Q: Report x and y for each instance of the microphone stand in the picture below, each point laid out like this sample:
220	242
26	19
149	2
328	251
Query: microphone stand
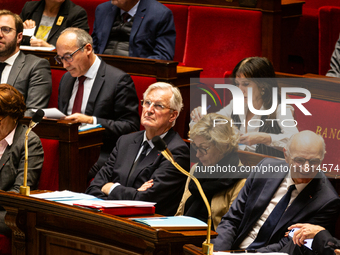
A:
24	189
207	247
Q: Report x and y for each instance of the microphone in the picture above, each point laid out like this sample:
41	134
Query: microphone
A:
37	117
161	146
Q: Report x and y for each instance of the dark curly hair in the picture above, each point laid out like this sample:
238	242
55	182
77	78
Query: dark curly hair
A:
12	102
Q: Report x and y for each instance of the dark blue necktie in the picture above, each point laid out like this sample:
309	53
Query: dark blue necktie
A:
271	222
2	67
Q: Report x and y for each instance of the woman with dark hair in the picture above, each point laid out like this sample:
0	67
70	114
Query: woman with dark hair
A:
51	17
12	147
264	134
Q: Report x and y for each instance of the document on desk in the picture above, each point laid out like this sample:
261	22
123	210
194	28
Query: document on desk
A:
52	113
173	222
24	47
65	197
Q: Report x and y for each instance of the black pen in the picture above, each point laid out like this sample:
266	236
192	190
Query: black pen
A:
243	251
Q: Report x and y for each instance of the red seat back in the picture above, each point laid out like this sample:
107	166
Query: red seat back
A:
329	29
56	77
180	13
326	125
218	38
49	178
141	84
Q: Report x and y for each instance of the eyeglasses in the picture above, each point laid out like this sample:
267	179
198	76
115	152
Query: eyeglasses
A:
67	57
204	151
6	30
156	106
312	162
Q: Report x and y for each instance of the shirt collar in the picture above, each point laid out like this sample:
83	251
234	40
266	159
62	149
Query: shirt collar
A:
92	72
299	187
149	141
132	11
9	138
11	59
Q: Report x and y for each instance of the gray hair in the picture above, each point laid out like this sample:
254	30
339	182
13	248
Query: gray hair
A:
306	136
83	37
214	128
176	101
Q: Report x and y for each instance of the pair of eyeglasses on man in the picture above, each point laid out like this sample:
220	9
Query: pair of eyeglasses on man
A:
6	30
312	162
156	106
204	151
67	57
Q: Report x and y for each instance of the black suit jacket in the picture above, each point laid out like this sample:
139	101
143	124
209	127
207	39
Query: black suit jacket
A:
318	203
113	100
168	181
31	76
74	16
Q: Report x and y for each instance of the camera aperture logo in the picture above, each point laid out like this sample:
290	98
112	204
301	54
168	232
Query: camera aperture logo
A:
239	104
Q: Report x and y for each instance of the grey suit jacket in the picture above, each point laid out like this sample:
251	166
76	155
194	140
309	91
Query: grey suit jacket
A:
31	76
318	203
12	161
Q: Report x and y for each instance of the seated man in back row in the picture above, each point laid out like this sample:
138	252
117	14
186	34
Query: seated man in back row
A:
134	28
278	195
94	92
29	74
135	169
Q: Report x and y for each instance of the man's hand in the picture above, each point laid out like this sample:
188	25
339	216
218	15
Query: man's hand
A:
255	138
29	23
106	188
82	118
337	252
305	231
39	43
146	185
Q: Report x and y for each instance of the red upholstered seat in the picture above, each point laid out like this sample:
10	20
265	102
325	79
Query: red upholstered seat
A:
141	84
14	6
218	38
180	13
327	125
49	178
5	245
329	29
56	77
90	8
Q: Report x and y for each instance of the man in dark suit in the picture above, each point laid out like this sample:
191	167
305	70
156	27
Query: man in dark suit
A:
93	92
135	169
147	32
314	200
29	74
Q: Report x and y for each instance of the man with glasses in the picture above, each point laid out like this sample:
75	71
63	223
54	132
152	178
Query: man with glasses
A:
29	74
135	169
93	92
278	195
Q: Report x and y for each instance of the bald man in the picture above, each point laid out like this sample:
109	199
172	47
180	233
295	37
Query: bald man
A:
310	198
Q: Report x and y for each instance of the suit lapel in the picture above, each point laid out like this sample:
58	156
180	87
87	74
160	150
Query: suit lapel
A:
96	87
149	159
66	93
107	26
132	151
60	19
16	68
137	21
301	201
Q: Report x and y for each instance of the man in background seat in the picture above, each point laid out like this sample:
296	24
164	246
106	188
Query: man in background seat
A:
135	28
93	92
